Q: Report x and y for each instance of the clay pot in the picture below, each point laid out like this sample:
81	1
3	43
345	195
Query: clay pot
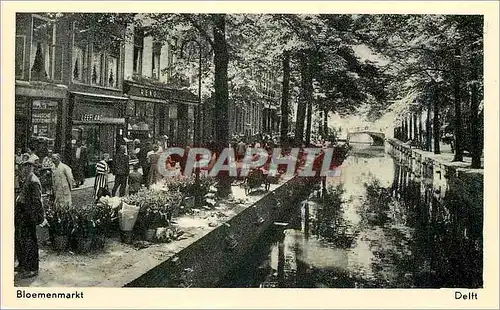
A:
150	234
60	243
126	236
84	245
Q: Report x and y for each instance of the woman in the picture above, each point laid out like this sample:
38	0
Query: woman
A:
101	178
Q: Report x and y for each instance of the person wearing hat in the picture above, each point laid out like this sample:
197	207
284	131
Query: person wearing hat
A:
28	214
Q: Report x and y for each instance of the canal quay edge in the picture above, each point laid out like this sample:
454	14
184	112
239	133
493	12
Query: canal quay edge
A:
223	247
468	183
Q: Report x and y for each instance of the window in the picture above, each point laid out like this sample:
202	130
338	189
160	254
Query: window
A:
138	49
20	48
80	55
156	60
42	46
112	63
97	66
170	60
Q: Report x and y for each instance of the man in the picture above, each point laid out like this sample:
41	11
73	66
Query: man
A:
79	162
121	170
143	160
27	214
17	167
62	181
240	150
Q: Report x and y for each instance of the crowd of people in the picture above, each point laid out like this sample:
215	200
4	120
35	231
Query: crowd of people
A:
134	166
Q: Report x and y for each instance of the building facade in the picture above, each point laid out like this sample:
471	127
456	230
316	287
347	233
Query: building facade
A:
261	115
78	81
155	107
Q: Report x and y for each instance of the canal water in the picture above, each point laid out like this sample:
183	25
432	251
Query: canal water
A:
375	226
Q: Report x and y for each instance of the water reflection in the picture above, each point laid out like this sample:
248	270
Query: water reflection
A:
382	224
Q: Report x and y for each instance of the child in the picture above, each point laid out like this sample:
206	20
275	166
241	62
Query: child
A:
134	180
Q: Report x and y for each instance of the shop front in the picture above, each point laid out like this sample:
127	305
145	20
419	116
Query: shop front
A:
154	111
38	119
98	122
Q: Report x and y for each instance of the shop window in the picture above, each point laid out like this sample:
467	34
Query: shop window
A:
42	49
80	55
130	108
140	109
150	109
44	122
156	60
138	50
20	48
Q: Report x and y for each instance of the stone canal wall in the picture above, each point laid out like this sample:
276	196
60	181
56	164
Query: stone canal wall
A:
205	262
440	172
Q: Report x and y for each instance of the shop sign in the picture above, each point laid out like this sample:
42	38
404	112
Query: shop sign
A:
42	117
91	117
44	104
149	92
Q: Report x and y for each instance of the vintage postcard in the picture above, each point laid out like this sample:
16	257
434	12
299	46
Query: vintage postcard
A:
287	154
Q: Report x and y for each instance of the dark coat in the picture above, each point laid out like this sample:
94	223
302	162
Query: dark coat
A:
121	164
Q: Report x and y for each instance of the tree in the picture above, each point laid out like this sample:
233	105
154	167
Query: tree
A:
221	60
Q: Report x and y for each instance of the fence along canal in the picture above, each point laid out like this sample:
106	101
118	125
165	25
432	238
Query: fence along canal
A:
381	225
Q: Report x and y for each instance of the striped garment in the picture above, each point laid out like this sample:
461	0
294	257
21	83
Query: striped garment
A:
101	177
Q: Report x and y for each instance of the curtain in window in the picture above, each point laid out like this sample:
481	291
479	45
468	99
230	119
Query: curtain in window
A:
78	64
40	61
112	71
96	77
41	50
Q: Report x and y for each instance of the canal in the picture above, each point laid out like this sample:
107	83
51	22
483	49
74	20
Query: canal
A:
375	226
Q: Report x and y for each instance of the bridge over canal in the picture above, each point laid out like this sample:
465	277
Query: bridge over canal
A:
378	137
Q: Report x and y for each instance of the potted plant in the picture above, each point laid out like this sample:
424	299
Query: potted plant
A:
90	224
156	211
60	225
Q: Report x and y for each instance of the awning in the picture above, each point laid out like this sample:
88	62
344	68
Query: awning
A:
99	96
138	98
103	120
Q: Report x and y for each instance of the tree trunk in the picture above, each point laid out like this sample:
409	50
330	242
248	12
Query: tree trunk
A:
308	121
420	131
285	96
410	127
436	128
405	136
459	156
302	104
428	130
476	138
221	60
325	122
415	128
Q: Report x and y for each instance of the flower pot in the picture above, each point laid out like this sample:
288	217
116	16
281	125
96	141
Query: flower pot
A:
126	236
84	244
60	243
150	234
99	241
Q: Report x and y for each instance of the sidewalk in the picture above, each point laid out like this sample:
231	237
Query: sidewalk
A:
446	157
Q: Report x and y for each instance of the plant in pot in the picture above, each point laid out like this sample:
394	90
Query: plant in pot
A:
90	224
60	224
129	217
156	211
